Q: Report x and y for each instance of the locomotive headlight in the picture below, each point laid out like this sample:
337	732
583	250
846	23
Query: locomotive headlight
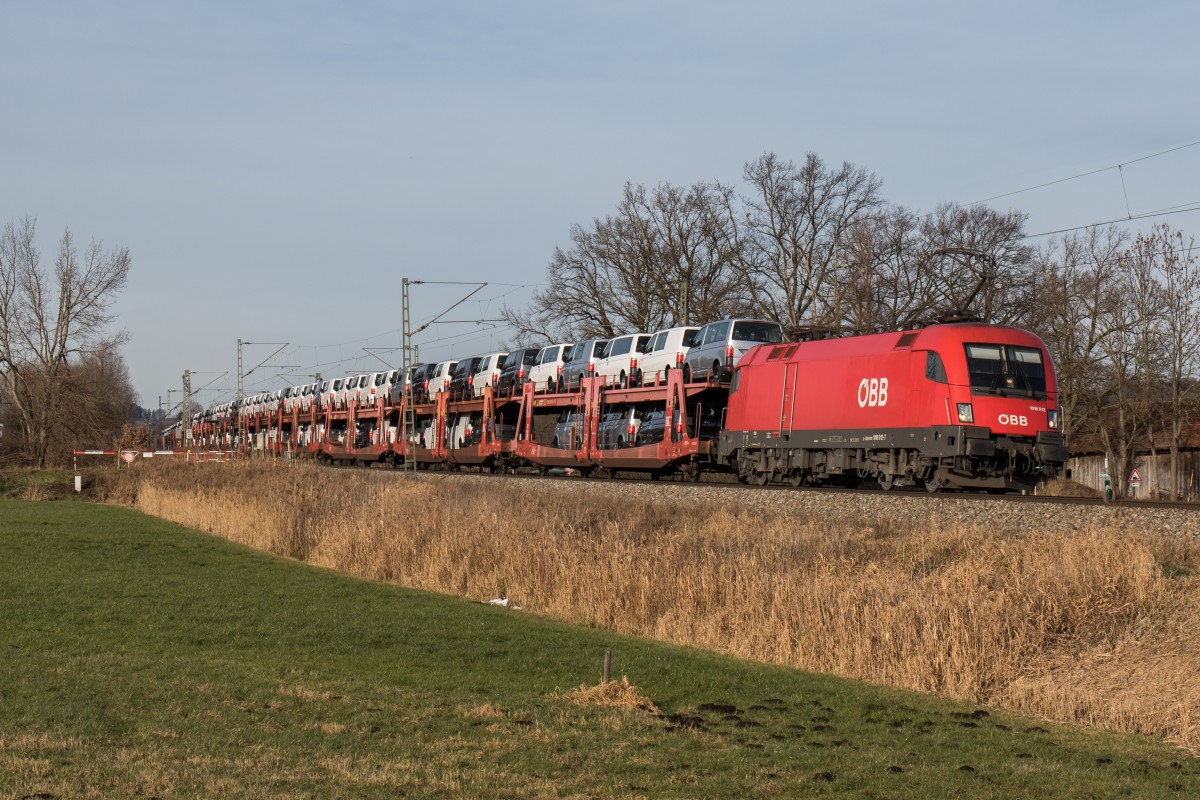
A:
1052	419
966	414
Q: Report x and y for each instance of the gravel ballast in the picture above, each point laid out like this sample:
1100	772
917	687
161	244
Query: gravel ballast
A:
1010	515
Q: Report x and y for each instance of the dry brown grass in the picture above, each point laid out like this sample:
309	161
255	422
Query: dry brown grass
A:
1082	626
613	694
1064	487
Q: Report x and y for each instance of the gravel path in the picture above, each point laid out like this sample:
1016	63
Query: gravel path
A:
1007	516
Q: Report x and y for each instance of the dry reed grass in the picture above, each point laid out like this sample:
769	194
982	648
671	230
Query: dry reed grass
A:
1067	626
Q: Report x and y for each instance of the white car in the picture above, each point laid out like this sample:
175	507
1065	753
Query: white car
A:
360	392
438	378
487	372
378	384
666	351
618	362
547	367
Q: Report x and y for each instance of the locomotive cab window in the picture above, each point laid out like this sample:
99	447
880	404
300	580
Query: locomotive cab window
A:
1006	370
935	370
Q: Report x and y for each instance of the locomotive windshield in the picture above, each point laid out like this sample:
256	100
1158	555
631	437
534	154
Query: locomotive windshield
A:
1006	370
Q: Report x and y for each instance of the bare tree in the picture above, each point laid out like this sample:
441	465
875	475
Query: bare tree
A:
47	321
794	227
665	257
1171	347
1080	298
1010	294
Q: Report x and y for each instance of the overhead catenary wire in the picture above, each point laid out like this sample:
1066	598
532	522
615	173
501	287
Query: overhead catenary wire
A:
1086	174
1193	207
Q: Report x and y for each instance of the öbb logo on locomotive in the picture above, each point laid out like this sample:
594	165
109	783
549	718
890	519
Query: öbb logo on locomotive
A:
1013	419
872	392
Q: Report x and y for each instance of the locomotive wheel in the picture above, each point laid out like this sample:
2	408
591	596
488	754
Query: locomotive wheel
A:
760	478
936	483
887	482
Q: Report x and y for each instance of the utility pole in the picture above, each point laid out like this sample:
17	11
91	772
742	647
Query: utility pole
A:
185	424
408	421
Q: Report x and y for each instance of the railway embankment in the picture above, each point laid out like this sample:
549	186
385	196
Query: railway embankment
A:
1075	613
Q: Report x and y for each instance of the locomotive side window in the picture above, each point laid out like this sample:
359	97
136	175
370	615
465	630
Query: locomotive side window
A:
1006	369
935	370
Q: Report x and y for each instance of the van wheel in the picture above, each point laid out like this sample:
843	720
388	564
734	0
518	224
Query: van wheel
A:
549	385
687	373
638	377
715	375
561	386
624	380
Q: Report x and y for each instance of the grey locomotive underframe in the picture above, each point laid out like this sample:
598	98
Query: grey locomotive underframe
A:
938	457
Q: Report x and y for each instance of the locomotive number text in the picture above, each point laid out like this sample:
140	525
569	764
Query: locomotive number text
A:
872	392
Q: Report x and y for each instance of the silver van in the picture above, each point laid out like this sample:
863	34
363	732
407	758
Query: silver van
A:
720	344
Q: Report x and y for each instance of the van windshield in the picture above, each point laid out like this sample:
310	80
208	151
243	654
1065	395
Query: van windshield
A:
768	332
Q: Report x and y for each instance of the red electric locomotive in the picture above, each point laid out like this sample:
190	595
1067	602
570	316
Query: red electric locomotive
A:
957	405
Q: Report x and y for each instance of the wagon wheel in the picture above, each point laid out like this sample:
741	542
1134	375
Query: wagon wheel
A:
797	479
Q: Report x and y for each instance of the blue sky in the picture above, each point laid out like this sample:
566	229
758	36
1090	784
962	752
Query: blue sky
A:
275	168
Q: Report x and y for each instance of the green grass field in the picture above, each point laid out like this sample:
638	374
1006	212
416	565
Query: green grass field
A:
141	659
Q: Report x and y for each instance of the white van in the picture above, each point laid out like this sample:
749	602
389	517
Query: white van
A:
618	362
666	351
487	372
547	367
439	377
